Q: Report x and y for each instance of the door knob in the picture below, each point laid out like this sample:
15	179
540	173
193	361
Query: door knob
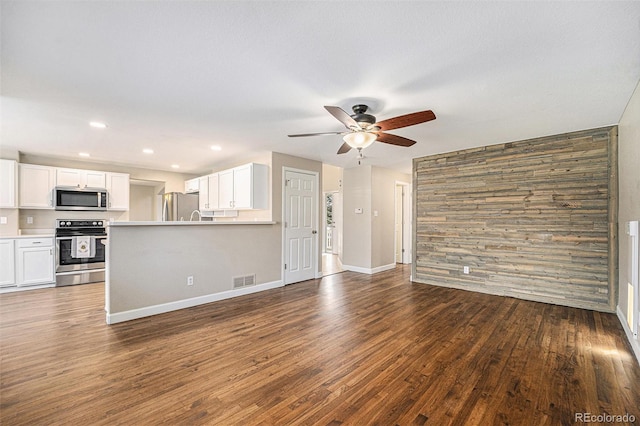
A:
314	232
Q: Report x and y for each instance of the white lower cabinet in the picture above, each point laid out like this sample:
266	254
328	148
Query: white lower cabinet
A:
35	261
7	263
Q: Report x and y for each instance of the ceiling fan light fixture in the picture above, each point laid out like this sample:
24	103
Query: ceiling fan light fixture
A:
359	140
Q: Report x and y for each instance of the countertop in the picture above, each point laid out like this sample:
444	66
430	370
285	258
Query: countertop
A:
15	237
189	223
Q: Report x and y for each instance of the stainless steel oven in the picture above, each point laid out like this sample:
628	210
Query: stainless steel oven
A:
80	251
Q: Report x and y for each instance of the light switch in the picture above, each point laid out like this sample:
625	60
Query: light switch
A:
375	212
3	220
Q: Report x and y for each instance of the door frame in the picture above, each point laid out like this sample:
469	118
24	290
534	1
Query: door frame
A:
318	235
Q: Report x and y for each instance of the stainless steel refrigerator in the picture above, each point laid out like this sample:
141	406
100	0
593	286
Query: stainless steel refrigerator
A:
178	206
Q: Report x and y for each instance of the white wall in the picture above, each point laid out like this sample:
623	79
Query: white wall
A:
369	244
629	195
331	178
383	225
142	202
149	265
357	231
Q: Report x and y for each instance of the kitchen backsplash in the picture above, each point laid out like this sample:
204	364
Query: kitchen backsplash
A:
46	219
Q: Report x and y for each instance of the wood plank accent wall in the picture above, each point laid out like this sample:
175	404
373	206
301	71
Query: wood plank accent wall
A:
535	219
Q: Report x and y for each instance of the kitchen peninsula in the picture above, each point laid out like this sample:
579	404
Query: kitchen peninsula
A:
157	267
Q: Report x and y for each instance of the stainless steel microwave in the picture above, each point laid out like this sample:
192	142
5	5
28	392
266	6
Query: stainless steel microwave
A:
72	198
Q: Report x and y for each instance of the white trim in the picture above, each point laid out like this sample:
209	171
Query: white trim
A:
635	345
188	303
369	271
14	288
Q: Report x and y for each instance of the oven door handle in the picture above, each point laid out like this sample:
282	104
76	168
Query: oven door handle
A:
97	237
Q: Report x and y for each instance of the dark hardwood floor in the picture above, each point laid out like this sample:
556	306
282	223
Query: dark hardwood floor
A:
347	349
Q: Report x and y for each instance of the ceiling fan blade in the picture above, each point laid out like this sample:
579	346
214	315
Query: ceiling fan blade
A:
344	148
315	134
342	116
394	139
406	120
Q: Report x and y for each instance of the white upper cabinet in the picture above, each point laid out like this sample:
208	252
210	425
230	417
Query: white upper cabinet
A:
8	184
118	189
208	195
225	189
192	185
81	178
36	185
243	188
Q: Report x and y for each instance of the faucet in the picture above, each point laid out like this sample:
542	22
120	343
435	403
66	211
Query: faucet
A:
199	215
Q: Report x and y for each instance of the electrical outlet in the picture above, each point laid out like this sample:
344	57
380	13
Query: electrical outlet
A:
190	280
30	220
465	270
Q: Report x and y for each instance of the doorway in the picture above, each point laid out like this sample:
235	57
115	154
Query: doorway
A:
332	233
402	223
300	221
145	200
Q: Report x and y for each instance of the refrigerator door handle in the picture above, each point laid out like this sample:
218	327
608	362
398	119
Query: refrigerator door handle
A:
165	208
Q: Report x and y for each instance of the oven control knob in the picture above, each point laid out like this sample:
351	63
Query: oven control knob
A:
68	223
100	223
95	223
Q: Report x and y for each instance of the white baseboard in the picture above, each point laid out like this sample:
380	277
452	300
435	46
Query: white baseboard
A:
187	303
369	271
635	345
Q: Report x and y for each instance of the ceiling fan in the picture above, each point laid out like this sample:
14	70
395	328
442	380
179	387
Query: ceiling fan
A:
363	129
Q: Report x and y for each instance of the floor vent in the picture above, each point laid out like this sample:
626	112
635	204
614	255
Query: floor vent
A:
244	281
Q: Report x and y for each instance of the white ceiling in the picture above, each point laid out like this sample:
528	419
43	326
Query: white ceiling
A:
180	76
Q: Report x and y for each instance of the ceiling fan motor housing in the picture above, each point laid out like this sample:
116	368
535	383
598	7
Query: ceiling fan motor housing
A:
360	115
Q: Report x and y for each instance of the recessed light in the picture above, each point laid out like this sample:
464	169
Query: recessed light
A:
97	125
175	166
147	151
216	148
84	154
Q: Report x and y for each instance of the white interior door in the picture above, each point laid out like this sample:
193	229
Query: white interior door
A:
301	209
398	224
